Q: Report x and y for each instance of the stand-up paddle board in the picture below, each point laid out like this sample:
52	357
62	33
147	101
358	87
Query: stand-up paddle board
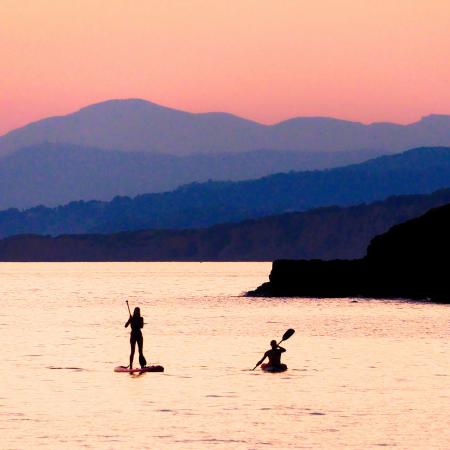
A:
139	370
273	369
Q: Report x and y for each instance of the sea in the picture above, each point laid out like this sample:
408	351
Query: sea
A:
363	373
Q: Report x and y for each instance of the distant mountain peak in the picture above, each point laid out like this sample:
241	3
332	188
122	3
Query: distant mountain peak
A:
436	118
135	124
125	103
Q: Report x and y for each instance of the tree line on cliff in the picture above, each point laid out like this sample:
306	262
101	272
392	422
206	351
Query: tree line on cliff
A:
324	233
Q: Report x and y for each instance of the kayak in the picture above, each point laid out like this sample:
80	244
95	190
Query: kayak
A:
139	370
273	369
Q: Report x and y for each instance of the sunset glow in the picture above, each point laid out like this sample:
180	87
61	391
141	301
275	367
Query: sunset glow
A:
262	59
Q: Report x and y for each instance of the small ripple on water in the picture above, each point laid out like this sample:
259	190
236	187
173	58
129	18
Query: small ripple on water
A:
74	369
226	441
220	396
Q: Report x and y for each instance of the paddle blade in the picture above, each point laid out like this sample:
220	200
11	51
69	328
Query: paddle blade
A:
288	334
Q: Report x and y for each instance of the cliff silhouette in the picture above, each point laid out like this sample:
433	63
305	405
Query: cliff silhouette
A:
409	261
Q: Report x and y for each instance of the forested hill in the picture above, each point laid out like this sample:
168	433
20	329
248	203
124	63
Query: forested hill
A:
325	233
197	205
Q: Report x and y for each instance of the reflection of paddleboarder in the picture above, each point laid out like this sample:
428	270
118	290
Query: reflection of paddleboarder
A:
136	322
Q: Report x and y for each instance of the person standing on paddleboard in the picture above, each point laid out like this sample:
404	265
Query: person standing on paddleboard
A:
274	355
136	322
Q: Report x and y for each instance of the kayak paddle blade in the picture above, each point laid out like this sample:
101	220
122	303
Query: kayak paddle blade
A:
288	334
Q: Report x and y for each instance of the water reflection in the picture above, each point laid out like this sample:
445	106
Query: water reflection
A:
361	375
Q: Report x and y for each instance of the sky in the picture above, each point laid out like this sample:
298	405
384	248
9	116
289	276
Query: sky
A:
267	60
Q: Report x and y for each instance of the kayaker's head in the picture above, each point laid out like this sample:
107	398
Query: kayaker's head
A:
137	312
273	344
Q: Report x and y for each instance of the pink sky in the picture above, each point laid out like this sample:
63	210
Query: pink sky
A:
268	60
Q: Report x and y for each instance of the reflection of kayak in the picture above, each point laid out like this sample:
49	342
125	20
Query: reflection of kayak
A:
268	368
140	370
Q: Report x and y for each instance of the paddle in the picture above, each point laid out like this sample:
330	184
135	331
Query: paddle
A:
128	306
285	337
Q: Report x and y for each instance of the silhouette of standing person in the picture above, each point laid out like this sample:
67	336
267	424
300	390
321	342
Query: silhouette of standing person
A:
136	322
274	355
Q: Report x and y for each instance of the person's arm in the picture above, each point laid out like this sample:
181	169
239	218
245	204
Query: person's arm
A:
142	322
260	361
128	322
282	349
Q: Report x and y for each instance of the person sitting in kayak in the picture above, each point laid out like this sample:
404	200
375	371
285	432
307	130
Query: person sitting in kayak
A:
136	322
274	355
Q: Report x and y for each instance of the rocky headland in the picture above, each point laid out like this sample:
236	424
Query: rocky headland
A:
408	261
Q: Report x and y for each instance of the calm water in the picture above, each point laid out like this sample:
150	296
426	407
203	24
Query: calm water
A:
361	375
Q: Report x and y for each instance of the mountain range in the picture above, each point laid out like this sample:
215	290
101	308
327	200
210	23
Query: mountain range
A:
325	233
139	125
55	174
198	205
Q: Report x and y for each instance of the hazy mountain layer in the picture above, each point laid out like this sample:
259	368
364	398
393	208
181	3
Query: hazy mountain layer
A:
204	204
138	125
55	174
